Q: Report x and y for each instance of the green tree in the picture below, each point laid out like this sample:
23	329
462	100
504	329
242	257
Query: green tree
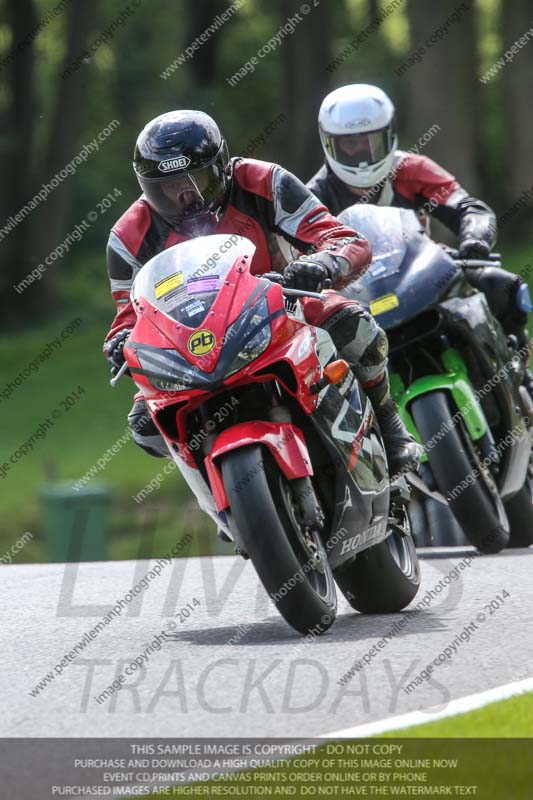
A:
517	82
443	86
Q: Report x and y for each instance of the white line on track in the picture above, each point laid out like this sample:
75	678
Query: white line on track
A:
458	706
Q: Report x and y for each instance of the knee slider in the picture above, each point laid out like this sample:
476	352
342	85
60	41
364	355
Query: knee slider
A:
377	351
343	325
373	362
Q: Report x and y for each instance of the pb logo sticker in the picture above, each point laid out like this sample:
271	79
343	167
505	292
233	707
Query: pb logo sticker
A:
201	342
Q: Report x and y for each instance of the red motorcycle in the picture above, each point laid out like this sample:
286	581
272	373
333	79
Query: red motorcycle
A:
271	431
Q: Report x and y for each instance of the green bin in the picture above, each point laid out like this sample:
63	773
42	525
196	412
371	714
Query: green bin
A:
75	521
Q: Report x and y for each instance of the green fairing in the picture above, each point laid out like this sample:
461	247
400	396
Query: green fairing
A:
456	381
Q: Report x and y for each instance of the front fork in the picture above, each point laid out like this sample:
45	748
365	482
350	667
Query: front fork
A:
307	502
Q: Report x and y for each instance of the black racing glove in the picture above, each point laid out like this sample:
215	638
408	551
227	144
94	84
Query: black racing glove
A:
474	248
307	275
114	351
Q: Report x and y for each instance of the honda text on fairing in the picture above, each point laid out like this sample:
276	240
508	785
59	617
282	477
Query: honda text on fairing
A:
455	375
271	431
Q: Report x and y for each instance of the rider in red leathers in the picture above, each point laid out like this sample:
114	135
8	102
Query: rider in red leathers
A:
192	188
357	130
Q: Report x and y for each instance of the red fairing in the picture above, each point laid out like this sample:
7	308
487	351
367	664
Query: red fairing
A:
234	293
291	341
419	175
284	441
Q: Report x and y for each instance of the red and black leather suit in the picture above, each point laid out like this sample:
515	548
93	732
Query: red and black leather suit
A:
416	182
264	202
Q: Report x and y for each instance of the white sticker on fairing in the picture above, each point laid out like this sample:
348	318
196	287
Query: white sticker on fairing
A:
305	345
194	308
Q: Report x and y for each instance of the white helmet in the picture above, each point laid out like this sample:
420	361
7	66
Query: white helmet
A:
357	131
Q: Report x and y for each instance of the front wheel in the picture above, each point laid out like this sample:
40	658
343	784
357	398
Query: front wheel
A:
384	578
460	476
290	562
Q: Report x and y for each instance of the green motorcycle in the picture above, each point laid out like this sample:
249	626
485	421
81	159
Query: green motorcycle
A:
456	378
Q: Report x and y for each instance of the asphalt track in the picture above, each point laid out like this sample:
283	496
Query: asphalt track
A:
233	667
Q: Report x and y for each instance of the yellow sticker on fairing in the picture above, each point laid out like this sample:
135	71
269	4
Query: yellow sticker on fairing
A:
385	303
168	284
201	342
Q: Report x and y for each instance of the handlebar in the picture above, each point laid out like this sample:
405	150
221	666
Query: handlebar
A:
476	263
454	253
275	277
492	260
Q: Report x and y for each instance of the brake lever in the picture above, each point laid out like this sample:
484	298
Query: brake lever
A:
492	260
301	293
113	382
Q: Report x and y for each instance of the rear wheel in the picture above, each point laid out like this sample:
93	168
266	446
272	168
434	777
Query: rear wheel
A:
290	562
384	578
467	485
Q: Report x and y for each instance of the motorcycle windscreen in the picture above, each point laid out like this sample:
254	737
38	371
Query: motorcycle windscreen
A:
409	271
387	229
184	281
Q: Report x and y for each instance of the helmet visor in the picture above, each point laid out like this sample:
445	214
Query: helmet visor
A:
360	149
179	198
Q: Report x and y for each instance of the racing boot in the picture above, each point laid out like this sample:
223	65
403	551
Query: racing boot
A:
145	432
403	452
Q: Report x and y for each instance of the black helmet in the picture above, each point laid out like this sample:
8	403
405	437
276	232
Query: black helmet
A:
180	161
